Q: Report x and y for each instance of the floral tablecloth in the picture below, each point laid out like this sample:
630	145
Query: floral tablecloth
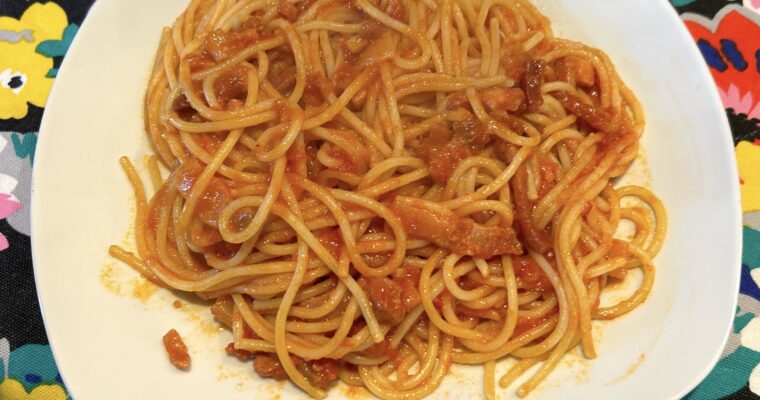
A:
34	37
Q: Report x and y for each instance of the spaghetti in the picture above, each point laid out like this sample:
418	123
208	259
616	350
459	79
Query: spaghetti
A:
373	190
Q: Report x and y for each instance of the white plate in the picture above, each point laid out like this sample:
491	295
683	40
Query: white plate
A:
108	346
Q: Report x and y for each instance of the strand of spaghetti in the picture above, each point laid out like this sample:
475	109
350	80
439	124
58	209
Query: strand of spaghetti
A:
442	367
446	36
564	304
386	20
548	205
587	190
133	261
295	123
280	342
347	233
199	187
453	287
226	125
170	56
298	54
322	25
510	318
240	11
339	105
638	297
518	370
395	183
548	366
487	190
427	302
426	365
661	215
246	54
140	204
265	329
509	347
330	261
489	376
390	98
201	154
262	213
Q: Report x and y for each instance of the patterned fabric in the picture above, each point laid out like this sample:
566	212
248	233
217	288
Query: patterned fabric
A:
34	37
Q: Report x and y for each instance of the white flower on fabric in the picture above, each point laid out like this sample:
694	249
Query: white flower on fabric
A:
752	4
5	355
9	204
17	164
751	335
754	380
7	185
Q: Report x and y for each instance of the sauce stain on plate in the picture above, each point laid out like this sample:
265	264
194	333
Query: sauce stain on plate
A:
110	277
143	289
631	369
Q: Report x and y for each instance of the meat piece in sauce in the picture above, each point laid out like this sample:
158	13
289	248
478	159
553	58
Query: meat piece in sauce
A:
577	69
441	153
534	78
231	84
331	239
537	239
177	350
396	10
385	296
287	10
320	373
240	354
214	198
269	366
222	310
529	275
602	119
502	99
444	149
382	349
221	45
430	221
513	60
408	278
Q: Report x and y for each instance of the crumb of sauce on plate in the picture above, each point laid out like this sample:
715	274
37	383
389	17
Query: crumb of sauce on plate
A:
578	364
240	374
205	323
177	304
176	350
143	289
109	278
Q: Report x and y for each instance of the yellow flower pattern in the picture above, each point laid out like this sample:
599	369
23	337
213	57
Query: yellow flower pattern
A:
12	389
748	159
23	71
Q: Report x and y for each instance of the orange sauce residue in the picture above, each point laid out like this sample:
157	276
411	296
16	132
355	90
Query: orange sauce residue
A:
354	392
206	325
142	289
631	369
109	278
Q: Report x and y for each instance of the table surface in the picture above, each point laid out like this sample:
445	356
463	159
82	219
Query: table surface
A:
34	38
